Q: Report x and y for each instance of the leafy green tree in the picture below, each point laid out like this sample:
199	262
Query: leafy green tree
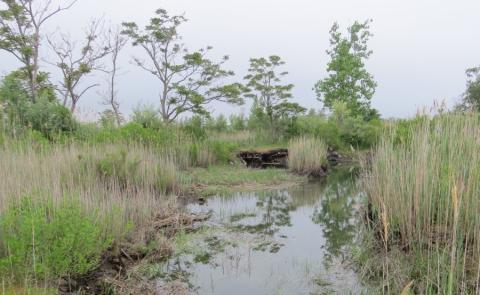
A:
348	80
189	80
471	97
20	34
270	96
46	115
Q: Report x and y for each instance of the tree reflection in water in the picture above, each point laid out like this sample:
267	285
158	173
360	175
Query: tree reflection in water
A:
336	214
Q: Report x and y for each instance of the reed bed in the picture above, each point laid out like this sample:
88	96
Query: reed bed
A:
423	185
117	190
307	155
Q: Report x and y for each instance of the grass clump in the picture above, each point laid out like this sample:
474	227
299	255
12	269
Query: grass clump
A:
41	240
307	155
139	168
424	198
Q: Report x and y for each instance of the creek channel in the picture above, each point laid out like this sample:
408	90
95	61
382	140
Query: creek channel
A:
284	241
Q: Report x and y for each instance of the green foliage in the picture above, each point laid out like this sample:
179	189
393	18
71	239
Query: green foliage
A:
147	117
14	99
50	118
225	179
108	119
210	152
238	122
118	168
46	115
195	127
138	169
129	133
189	80
218	124
341	129
471	97
46	241
348	80
264	86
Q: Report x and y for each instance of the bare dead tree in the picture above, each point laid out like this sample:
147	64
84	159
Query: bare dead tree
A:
116	42
20	33
76	66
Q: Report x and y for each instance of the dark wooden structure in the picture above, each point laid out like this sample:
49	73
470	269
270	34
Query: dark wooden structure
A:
264	159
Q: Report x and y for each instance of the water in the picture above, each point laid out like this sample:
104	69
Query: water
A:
289	241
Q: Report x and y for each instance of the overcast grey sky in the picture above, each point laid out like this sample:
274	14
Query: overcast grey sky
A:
421	47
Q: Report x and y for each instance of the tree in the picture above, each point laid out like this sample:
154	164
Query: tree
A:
189	80
471	97
20	33
270	96
75	67
46	115
116	42
348	80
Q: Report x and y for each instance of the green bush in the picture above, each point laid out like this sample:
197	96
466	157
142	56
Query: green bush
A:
45	115
50	118
341	130
195	127
147	117
40	240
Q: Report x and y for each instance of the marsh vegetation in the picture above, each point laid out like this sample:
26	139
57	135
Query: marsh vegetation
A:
159	202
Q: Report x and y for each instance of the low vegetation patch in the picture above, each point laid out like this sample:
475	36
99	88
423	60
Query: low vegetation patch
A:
224	179
40	240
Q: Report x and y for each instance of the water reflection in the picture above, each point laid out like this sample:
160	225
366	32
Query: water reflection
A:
336	213
289	241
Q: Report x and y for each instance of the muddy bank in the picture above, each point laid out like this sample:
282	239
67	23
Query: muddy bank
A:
117	273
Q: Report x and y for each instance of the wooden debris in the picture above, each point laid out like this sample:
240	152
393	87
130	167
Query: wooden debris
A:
264	159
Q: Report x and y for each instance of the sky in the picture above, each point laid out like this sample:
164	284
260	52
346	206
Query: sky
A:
421	48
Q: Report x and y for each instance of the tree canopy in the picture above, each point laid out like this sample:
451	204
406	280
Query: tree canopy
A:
348	80
189	80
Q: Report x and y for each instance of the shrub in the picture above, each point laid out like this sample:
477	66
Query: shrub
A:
341	130
50	118
46	115
195	127
40	240
147	117
119	169
307	155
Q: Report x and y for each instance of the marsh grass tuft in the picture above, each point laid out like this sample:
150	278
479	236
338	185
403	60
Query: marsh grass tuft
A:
307	155
424	192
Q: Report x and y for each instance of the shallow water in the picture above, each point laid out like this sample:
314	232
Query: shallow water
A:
289	241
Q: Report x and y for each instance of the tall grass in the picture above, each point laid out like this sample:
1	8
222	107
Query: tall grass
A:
102	189
307	155
425	186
